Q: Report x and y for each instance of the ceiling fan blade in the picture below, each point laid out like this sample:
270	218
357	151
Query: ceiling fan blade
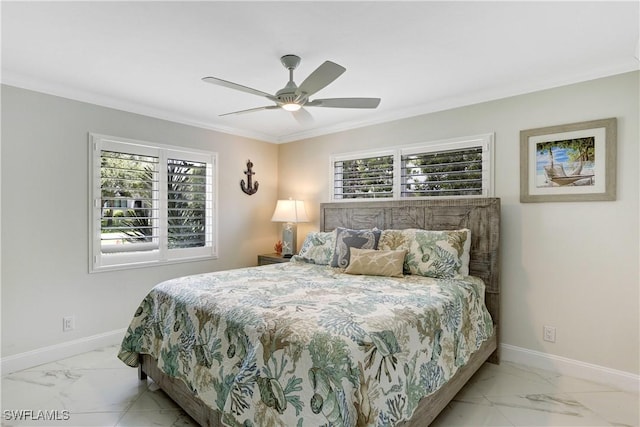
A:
251	110
302	116
344	103
231	85
321	77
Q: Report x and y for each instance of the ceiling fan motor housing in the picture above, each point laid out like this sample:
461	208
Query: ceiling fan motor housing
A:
289	94
290	62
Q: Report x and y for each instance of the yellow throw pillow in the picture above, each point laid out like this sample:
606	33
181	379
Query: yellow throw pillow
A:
376	263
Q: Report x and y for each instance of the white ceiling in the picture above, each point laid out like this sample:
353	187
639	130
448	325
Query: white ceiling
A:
418	56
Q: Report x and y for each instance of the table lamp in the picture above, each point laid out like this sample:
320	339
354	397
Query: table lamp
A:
289	212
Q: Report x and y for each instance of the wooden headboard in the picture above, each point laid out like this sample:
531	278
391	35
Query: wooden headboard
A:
480	215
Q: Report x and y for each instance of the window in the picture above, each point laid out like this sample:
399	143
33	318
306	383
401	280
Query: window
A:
370	177
150	204
461	167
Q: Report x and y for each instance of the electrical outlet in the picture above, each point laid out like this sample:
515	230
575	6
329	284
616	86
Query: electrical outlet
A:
68	323
549	333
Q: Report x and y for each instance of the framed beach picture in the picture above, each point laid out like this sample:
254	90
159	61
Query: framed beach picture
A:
569	163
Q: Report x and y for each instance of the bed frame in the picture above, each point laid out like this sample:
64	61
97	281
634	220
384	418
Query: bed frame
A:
480	215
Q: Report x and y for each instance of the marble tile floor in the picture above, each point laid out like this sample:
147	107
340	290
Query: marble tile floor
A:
98	390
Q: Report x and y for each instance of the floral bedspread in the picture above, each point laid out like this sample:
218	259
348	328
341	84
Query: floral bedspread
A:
299	344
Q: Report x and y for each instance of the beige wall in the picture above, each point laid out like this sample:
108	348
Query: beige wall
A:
569	265
45	216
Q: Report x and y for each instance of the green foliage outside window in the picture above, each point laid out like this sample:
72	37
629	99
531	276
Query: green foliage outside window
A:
127	196
128	215
448	173
365	178
187	199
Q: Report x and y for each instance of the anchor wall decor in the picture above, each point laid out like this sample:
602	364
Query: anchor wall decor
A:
248	188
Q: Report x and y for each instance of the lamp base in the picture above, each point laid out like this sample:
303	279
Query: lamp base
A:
289	239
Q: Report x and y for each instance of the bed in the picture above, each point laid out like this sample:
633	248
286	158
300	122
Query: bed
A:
269	365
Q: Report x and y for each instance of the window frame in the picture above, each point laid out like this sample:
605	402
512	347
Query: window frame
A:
485	141
105	261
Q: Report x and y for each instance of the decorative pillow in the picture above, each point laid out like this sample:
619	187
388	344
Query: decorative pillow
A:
392	239
317	247
376	263
466	254
347	238
436	254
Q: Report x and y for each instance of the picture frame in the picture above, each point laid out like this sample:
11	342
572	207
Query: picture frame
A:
574	162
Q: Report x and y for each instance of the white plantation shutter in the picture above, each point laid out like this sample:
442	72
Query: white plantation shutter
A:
363	177
151	204
442	173
189	205
461	167
129	201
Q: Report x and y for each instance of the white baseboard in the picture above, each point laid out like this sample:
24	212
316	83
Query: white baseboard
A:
570	367
33	358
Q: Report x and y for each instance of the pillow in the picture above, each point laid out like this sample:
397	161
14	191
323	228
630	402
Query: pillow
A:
392	239
376	263
317	247
347	238
436	254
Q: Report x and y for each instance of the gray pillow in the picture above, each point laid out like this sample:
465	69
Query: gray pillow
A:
347	238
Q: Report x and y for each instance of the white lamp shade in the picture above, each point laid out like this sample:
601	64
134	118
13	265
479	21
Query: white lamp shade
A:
290	211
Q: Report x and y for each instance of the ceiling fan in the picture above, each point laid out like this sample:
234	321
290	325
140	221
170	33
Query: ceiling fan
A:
293	97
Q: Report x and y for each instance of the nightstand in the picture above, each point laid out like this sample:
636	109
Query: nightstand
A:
273	258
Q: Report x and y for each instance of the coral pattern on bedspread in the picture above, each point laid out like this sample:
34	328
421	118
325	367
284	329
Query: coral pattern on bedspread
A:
299	344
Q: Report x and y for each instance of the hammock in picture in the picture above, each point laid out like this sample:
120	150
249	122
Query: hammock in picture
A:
557	175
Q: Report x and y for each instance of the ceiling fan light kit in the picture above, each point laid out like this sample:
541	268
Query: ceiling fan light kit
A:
293	97
292	106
